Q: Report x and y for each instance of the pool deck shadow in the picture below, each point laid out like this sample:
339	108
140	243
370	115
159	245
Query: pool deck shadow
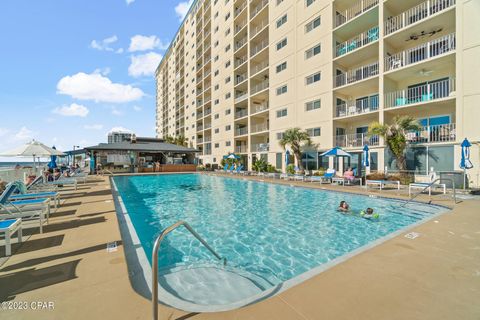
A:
434	276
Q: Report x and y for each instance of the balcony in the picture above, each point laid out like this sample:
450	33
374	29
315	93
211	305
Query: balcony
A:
354	11
257	108
261	127
259	87
258	8
239	26
424	93
239	78
420	53
259	67
199	128
241	96
241	149
240	60
241	131
433	134
356	140
240	9
208	126
259	47
356	107
357	42
356	75
256	30
240	114
260	147
418	13
240	43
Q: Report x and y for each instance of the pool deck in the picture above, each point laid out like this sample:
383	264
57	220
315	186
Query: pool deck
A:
434	276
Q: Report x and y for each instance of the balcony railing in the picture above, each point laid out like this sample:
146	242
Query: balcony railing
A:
199	140
240	9
351	108
241	131
260	107
355	75
240	114
199	115
259	67
239	26
422	52
420	94
199	128
241	149
240	43
241	96
241	60
258	8
259	47
358	41
433	134
354	11
239	78
207	126
254	31
207	139
259	87
258	127
356	140
417	13
207	112
260	147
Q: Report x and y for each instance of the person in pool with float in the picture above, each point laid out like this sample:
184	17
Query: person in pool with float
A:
343	207
368	213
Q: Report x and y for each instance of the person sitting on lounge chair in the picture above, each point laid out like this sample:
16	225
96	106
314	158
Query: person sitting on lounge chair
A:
349	174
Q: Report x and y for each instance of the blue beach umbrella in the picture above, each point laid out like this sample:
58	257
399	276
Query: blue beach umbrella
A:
231	156
366	155
465	162
287	157
53	160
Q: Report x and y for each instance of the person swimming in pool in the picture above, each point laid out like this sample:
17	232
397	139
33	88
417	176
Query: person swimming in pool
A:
369	214
343	207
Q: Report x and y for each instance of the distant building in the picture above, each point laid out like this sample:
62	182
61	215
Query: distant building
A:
119	136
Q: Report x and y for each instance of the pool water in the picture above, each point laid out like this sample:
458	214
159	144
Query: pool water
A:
275	231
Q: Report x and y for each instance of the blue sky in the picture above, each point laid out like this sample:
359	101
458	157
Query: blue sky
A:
70	71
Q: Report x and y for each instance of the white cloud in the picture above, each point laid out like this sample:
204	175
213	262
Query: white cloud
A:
137	108
104	45
144	64
98	88
120	50
182	9
120	129
144	43
23	134
129	2
93	126
103	71
3	132
117	112
73	110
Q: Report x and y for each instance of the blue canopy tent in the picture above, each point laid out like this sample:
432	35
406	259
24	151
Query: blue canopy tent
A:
231	156
336	152
53	160
465	162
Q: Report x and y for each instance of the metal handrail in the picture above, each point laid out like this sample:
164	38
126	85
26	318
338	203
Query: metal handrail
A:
431	184
156	246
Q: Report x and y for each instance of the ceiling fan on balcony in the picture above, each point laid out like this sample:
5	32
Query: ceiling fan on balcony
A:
424	34
425	72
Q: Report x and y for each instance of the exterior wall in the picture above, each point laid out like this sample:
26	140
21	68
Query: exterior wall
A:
208	99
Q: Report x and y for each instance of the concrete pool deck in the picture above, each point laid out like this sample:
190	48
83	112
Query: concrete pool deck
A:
434	276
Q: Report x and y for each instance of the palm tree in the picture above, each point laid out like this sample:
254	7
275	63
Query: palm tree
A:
395	136
181	141
295	137
169	139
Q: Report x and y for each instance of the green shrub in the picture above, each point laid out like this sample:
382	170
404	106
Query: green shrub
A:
291	168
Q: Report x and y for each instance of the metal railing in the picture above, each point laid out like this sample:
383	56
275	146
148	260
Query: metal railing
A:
429	186
420	94
240	9
433	133
415	14
260	147
239	26
241	96
156	248
354	11
356	140
239	78
259	47
422	52
254	128
351	108
240	60
241	131
241	149
260	107
240	114
254	31
258	8
259	87
199	115
355	75
358	41
240	43
258	67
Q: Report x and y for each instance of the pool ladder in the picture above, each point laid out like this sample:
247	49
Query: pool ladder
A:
156	246
431	184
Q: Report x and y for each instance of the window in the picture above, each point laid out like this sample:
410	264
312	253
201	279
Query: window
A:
312	105
282	66
281	44
217	145
216	14
312	25
227	48
309	2
227	112
281	90
215	73
228	143
217	116
227	80
282	113
228	95
217	101
227	16
313	51
312	78
227	32
215	30
215	44
217	130
281	21
280	135
227	64
227	128
279	1
314	132
216	87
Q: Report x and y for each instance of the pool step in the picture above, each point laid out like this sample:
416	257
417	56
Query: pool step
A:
194	287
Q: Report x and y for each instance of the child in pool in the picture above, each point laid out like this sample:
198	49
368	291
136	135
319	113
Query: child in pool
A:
343	207
368	214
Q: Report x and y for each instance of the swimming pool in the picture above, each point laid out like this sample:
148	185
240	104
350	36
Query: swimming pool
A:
276	232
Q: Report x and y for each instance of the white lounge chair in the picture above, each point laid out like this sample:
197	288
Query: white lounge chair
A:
428	185
382	183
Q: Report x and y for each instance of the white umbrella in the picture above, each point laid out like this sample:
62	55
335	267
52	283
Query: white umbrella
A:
32	149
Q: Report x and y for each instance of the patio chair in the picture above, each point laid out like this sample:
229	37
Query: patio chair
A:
25	194
327	177
427	185
238	169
